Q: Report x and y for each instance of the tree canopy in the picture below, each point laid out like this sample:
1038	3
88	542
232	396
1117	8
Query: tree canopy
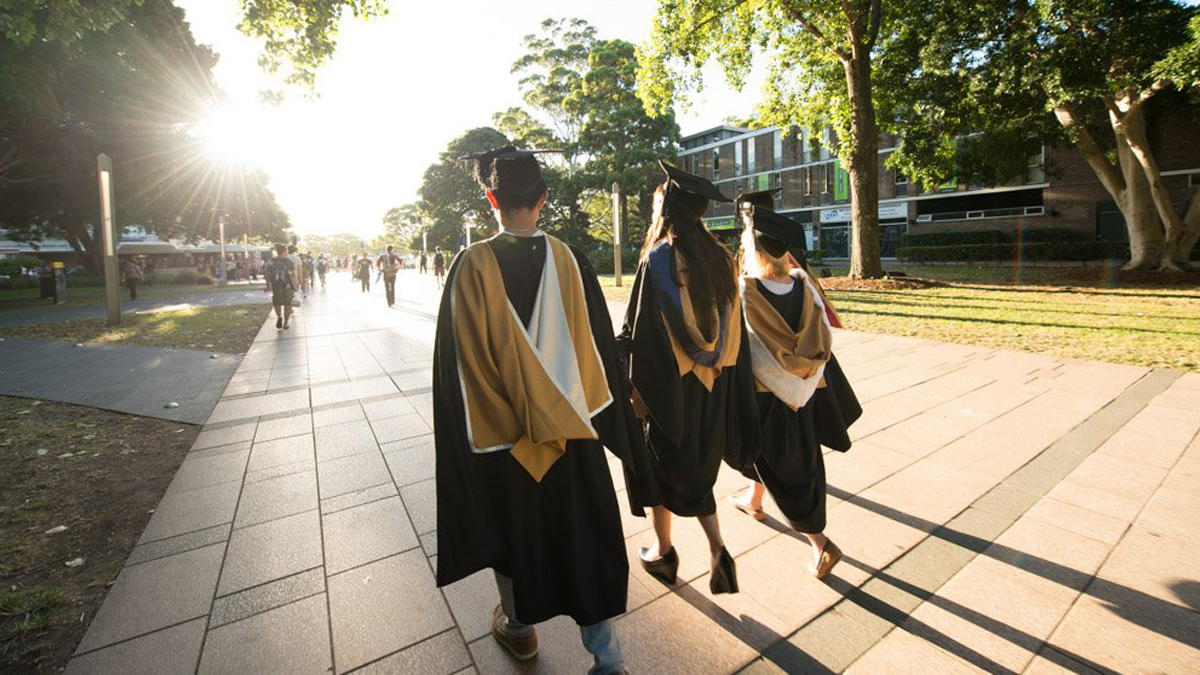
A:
133	91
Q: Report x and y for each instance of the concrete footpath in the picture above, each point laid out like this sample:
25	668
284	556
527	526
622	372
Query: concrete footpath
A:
135	380
1000	512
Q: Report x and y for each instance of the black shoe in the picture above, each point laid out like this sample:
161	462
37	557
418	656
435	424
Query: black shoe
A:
279	322
663	568
724	574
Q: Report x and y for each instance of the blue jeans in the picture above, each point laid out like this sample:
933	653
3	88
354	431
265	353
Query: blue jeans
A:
599	639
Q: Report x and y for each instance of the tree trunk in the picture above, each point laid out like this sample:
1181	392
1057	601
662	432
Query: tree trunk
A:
1141	218
1181	252
865	262
1133	124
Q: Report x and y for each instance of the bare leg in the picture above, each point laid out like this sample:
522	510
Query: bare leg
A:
755	496
818	541
712	530
661	518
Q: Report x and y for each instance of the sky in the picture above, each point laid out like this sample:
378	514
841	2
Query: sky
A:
397	91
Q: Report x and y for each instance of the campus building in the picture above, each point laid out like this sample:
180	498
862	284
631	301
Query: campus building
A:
1058	189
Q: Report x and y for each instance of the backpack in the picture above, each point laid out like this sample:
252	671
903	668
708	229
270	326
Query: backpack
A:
280	274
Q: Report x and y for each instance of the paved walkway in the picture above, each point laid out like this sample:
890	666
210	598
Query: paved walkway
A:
248	294
1000	512
136	380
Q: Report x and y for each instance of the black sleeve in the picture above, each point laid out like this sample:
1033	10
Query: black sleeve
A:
619	428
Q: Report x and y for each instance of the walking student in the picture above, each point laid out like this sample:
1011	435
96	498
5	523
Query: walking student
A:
131	272
421	263
439	265
363	272
322	268
527	395
389	265
804	399
690	370
283	277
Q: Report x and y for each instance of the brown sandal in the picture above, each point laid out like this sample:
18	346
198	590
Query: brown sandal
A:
830	555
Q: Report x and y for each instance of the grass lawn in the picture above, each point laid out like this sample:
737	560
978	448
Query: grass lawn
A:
1090	313
78	489
227	329
25	298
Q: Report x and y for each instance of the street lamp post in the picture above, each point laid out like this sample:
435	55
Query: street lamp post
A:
616	206
108	227
221	277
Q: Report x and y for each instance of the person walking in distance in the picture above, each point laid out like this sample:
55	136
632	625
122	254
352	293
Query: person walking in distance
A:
322	268
389	265
363	270
283	277
439	265
527	394
131	272
421	263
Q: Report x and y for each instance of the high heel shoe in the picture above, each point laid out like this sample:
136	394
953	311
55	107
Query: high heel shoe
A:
724	573
664	567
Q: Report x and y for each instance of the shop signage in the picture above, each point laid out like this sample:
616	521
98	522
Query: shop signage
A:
841	214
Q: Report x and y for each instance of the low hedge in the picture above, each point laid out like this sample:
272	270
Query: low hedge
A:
12	266
1010	252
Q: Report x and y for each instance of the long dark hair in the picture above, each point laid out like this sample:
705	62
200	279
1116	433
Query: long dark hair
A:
711	282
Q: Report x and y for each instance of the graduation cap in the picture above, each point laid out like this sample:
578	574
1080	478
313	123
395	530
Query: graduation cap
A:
691	183
762	198
778	234
508	170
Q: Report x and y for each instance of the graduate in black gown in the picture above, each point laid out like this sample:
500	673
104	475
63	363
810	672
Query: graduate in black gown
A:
805	400
690	369
528	392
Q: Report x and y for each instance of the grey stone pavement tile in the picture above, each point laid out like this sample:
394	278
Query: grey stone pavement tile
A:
258	599
442	654
155	595
171	651
254	645
271	550
999	511
382	607
366	533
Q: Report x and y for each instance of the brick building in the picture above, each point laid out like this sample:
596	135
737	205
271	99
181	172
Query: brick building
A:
1058	188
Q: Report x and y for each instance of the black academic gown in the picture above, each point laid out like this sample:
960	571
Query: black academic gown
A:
790	463
690	429
560	540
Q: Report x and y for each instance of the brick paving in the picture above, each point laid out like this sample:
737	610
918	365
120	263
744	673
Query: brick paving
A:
1000	512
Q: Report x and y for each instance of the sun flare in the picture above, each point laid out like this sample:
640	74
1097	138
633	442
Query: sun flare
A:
231	134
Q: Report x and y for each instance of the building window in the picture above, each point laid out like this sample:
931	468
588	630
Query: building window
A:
737	158
1194	179
828	178
716	162
750	148
826	143
777	152
1035	171
806	178
901	185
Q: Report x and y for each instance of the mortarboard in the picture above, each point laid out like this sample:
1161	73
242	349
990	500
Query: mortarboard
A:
508	169
778	234
762	198
691	183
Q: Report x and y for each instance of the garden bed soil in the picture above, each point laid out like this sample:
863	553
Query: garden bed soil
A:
100	475
896	283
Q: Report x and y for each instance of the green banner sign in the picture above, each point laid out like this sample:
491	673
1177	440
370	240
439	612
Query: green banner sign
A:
721	224
841	183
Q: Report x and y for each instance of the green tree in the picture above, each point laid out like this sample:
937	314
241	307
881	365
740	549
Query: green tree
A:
1018	73
402	227
552	69
133	92
822	60
451	198
622	142
525	130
